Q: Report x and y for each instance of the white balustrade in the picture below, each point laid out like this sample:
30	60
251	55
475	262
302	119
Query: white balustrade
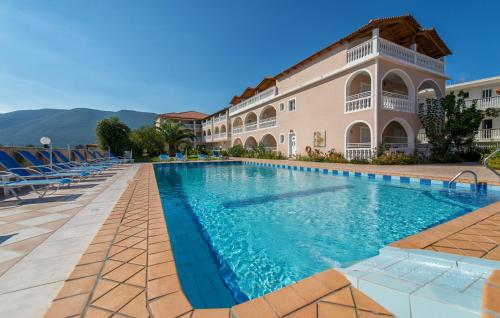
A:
380	46
484	103
267	122
398	102
488	134
358	102
237	130
254	100
251	127
360	151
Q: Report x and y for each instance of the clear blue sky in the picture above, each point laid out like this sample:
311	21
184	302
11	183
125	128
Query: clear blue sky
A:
163	56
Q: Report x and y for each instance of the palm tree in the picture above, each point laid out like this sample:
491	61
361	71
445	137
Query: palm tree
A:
175	135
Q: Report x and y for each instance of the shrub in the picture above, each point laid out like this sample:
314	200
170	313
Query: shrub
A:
394	158
317	155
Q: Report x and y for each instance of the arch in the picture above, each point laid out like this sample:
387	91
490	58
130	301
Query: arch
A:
359	76
356	144
428	90
237	122
237	142
250	143
250	118
430	83
269	142
204	133
209	132
394	86
216	130
222	129
268	112
391	126
353	139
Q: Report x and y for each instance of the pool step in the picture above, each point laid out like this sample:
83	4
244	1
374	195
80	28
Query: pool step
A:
419	283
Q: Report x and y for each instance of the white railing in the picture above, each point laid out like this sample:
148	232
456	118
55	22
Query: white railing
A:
267	122
380	46
359	51
207	123
358	102
422	138
254	100
395	140
398	102
221	118
488	134
364	152
251	127
484	103
221	136
237	130
207	138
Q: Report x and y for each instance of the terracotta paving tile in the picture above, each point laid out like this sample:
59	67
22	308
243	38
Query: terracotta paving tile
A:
310	311
459	251
28	244
310	289
67	307
171	305
85	270
92	257
77	286
140	260
160	270
115	249
285	300
5	266
159	247
22	216
94	312
139	279
117	297
53	225
127	255
468	245
102	238
110	265
136	307
341	297
332	279
10	227
123	272
98	247
254	308
161	257
163	286
369	314
143	245
158	238
491	297
210	313
328	310
103	286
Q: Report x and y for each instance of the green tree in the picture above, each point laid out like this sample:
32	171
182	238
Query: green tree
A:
147	139
447	121
175	135
113	133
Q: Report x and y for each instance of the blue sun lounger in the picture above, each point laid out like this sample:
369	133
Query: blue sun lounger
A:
52	170
12	166
180	156
74	165
39	186
86	163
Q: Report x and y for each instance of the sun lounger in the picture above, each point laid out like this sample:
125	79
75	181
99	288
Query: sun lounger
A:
11	182
51	169
179	156
163	157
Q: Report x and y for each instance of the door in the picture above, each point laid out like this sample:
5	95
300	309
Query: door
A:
365	136
487	125
292	144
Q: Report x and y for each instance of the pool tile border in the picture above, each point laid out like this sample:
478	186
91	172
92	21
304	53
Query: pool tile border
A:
129	270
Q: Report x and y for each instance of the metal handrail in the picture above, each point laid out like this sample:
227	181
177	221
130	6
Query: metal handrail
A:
461	173
485	162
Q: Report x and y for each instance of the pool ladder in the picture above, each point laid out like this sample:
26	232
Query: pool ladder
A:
485	163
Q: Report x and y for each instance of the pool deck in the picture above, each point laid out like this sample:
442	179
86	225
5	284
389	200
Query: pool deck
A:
128	269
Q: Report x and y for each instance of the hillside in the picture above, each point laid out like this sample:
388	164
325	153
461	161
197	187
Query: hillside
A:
73	126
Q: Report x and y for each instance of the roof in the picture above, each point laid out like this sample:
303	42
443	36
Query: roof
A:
479	82
403	30
251	91
184	115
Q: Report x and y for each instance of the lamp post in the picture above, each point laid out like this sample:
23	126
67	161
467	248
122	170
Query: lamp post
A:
47	142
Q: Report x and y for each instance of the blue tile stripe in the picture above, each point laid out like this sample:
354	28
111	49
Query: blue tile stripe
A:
483	187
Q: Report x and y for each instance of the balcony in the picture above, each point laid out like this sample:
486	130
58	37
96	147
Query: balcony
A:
484	103
253	101
237	130
207	123
397	102
359	151
251	126
492	134
220	137
378	46
267	123
358	102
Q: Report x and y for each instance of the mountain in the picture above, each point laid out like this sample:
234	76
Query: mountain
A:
63	126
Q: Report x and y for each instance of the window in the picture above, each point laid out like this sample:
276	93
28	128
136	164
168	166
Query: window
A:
282	107
486	93
291	105
282	139
466	94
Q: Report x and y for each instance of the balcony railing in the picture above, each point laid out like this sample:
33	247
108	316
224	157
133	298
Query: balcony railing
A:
398	102
251	126
360	151
379	46
207	123
484	103
220	136
488	134
358	102
237	130
267	122
254	100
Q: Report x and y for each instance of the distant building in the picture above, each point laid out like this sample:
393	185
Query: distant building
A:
190	120
486	94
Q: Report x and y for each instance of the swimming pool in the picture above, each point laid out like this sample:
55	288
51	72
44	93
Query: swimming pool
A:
241	231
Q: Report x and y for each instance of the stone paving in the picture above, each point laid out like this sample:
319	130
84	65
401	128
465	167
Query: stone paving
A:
42	239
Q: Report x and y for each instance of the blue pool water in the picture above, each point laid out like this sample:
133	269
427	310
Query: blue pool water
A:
241	231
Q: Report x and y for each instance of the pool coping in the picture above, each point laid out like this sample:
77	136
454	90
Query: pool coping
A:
134	274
